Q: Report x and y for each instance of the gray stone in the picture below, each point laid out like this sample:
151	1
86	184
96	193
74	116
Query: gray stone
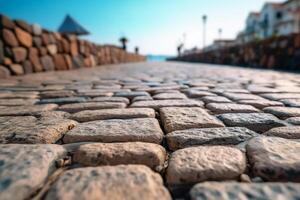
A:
293	120
116	130
66	100
47	62
208	136
215	99
109	182
25	168
253	191
258	122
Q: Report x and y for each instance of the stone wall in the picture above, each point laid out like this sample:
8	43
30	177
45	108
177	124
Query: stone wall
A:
275	53
28	48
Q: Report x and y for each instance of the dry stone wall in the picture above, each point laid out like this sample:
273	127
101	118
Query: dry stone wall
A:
273	53
26	48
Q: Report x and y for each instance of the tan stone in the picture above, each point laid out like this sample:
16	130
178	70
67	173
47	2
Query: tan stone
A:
25	168
274	159
24	38
30	130
26	110
220	108
77	107
19	54
111	99
52	49
283	112
35	60
163	96
288	132
17	102
9	38
207	163
177	118
234	190
97	154
131	182
59	62
129	113
130	130
260	104
166	103
16	69
4	72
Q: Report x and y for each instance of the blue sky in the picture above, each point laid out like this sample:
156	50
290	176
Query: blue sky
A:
156	26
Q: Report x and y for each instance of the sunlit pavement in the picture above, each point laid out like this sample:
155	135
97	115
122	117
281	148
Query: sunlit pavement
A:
151	131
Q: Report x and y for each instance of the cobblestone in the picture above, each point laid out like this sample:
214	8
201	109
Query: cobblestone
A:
145	130
97	154
233	190
259	122
197	164
220	108
208	136
130	130
24	168
131	182
274	159
93	115
176	118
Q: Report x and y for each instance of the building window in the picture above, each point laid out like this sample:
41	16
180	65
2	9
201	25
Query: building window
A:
278	15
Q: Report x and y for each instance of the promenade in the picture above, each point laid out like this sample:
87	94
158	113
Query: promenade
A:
150	131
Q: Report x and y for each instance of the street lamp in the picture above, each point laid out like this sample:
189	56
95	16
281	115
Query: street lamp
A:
204	19
220	33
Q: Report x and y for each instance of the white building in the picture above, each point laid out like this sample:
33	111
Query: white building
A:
270	15
252	27
275	19
290	22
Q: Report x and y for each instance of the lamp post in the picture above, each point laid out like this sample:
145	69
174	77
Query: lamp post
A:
204	20
220	33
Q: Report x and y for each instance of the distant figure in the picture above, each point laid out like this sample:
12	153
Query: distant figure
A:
179	48
136	49
124	41
71	26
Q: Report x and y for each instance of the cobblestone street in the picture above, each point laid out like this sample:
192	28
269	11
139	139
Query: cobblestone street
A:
151	131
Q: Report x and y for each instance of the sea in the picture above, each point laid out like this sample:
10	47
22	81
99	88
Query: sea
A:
157	58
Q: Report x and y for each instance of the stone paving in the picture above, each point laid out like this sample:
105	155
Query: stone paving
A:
151	131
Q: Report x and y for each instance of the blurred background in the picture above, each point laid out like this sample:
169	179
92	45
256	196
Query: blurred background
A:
157	27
